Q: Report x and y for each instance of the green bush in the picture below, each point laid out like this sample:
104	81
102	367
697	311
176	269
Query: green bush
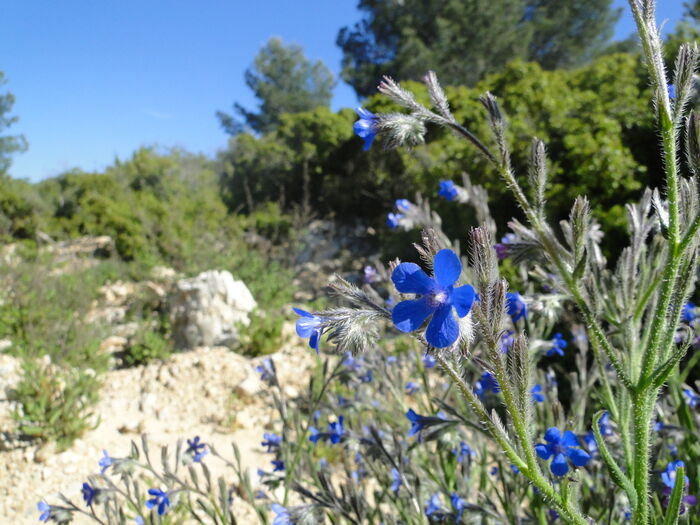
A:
55	402
147	346
262	336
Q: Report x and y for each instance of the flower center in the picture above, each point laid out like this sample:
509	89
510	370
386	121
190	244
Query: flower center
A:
437	298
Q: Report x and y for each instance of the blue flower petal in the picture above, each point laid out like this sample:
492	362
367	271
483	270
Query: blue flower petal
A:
409	315
543	451
578	457
314	340
569	439
306	324
447	267
151	503
443	329
559	465
463	299
552	435
409	278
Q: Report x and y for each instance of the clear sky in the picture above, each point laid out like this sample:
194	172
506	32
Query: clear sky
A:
94	80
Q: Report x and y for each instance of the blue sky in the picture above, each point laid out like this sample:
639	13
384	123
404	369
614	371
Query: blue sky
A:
96	80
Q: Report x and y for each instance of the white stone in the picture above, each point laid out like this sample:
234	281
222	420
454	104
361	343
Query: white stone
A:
205	310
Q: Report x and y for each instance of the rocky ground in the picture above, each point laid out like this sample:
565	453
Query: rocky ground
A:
209	392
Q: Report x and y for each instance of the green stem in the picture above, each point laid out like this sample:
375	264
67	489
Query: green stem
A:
641	403
567	512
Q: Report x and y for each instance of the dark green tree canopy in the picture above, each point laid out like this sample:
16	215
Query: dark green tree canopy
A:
284	81
9	144
464	40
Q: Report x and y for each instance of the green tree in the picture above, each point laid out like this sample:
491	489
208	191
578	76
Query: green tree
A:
9	144
284	81
463	41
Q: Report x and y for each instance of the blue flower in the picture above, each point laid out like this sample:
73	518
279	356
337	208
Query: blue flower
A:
553	515
671	91
487	383
691	398
507	340
105	462
159	498
464	452
396	480
411	388
391	360
393	219
196	449
429	361
278	464
418	422
309	325
281	515
366	126
458	504
558	345
335	432
89	494
502	247
266	369
537	395
516	306
448	190
561	447
591	443
272	441
515	469
438	298
604	424
138	520
668	477
433	506
403	204
45	510
688	312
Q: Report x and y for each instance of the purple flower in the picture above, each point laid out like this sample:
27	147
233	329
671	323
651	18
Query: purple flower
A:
486	383
561	447
448	190
438	298
159	498
45	510
266	370
516	306
196	449
105	462
502	247
272	441
309	325
558	345
366	126
281	515
458	504
536	393
396	480
392	220
89	494
369	274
